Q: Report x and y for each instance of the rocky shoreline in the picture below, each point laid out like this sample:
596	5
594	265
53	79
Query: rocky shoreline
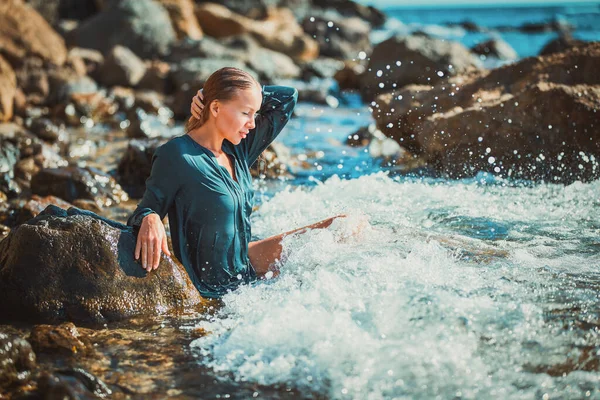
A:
89	89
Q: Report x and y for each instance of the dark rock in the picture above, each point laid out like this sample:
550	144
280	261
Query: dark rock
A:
206	47
70	183
25	33
32	79
362	137
470	26
72	384
140	25
64	87
497	48
400	61
338	37
561	44
63	339
273	162
92	59
350	76
17	360
552	26
156	77
352	9
74	265
24	211
47	130
121	67
134	168
534	119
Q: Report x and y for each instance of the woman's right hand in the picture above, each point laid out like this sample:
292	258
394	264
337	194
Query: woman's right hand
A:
197	105
151	239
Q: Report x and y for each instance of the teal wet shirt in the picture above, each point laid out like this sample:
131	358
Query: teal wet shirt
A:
209	212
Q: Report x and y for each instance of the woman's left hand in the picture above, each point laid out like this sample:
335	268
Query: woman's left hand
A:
197	105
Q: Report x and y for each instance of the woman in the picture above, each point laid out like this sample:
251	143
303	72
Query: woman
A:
202	181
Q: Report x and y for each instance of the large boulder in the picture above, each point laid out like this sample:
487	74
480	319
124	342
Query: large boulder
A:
8	88
338	37
535	119
25	33
278	31
74	265
561	43
497	48
400	61
143	26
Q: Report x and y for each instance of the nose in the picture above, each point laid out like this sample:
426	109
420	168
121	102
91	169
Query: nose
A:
250	124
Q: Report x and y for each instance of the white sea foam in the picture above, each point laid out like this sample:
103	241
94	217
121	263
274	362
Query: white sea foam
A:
450	294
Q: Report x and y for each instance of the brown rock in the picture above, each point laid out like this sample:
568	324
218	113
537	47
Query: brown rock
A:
17	360
183	19
535	119
400	61
350	76
8	88
36	205
279	31
25	33
156	77
63	339
121	67
339	37
79	267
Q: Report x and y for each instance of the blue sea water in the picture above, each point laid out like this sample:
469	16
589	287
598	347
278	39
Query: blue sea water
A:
583	17
480	288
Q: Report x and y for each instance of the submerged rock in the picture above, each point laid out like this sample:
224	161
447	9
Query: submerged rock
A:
17	360
535	119
74	265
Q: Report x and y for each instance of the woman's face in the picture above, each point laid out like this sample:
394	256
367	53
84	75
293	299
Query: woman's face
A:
236	116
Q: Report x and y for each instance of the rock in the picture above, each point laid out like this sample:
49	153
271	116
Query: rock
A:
156	77
17	360
25	33
362	137
88	273
534	119
92	59
551	26
469	26
350	76
279	31
64	86
70	183
135	165
413	59
72	383
143	26
183	19
121	67
561	44
270	65
207	47
145	125
25	169
32	79
322	67
9	155
352	9
496	48
85	204
341	38
63	339
32	207
272	163
8	89
47	130
87	109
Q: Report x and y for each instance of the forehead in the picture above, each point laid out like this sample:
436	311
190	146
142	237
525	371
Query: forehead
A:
251	97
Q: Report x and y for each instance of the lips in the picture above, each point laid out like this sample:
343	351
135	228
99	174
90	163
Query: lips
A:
244	134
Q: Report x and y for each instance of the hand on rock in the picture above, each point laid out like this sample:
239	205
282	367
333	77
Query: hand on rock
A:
151	239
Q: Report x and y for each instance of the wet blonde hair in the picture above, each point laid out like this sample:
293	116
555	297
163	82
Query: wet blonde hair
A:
222	85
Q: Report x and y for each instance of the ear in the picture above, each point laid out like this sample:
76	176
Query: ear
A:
214	108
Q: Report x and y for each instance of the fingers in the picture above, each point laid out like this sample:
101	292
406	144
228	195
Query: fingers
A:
197	105
144	255
200	94
138	247
156	256
165	246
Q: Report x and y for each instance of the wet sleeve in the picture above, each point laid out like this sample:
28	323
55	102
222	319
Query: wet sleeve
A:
275	112
161	187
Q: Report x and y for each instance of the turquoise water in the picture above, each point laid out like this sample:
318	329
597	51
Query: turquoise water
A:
471	289
584	17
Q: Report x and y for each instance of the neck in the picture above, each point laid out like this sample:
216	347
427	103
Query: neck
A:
206	137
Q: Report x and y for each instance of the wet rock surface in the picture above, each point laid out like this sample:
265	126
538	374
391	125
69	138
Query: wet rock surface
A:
84	270
414	60
533	119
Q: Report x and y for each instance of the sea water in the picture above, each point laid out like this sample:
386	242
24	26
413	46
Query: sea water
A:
480	288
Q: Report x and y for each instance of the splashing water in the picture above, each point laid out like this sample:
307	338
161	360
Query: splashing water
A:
458	290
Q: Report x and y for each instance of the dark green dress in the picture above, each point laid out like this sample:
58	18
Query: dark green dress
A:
209	212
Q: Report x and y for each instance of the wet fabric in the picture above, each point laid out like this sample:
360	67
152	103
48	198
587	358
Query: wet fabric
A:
209	212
